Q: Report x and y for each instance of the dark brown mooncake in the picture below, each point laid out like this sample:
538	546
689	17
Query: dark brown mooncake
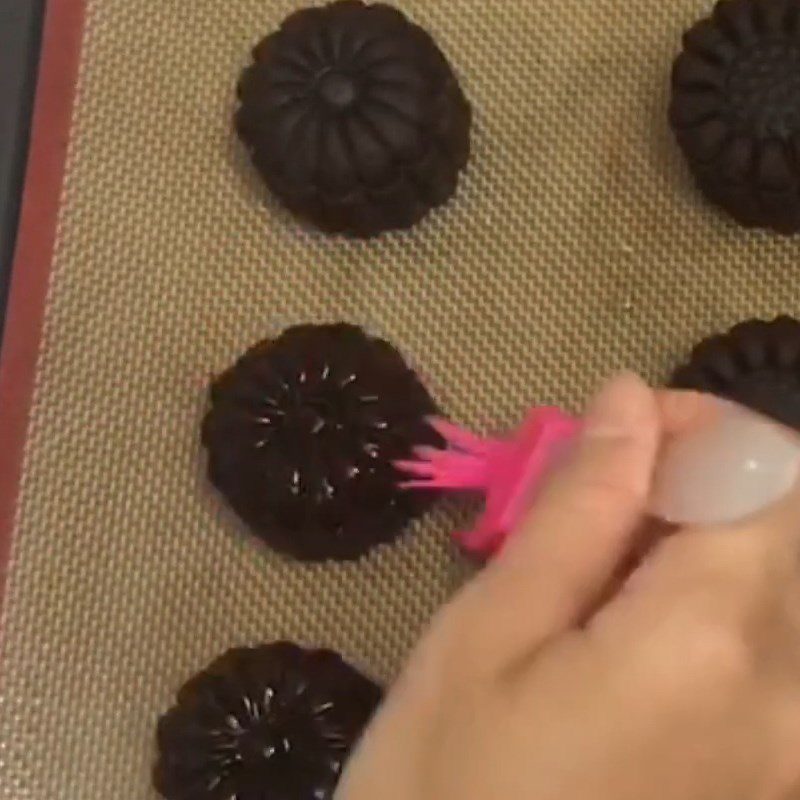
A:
736	110
273	722
756	363
302	435
354	118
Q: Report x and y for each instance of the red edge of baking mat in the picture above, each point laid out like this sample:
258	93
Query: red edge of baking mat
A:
30	278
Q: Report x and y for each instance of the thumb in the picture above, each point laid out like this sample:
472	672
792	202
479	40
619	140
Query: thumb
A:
553	571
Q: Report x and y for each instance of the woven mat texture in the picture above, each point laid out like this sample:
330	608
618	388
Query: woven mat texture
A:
576	245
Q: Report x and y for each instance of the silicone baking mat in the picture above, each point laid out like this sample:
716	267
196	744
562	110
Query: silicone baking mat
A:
575	246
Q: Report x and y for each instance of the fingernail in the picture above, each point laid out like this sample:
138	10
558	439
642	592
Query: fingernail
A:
618	408
727	470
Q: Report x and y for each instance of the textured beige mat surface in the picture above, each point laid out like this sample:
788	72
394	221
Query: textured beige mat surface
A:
575	246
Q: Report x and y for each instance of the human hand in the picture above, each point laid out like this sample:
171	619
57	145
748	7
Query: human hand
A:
546	678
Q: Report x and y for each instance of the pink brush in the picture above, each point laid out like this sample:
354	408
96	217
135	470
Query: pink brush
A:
507	471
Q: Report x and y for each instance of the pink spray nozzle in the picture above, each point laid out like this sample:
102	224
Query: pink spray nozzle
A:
507	471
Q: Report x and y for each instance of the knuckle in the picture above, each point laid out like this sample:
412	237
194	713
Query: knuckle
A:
725	554
718	653
616	488
703	654
599	496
